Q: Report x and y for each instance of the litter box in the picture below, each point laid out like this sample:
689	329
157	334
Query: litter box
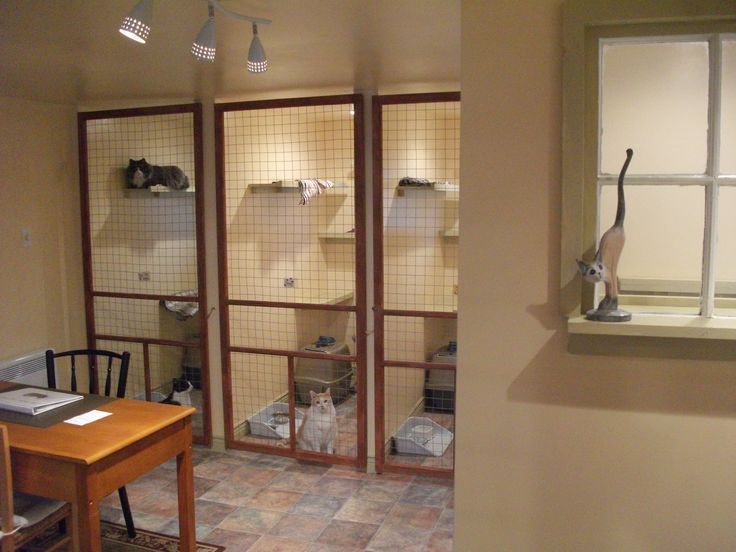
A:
156	396
314	374
420	435
273	421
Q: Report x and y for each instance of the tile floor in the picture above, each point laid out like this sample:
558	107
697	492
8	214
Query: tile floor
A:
260	503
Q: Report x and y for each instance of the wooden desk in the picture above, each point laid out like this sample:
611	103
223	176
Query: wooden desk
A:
83	464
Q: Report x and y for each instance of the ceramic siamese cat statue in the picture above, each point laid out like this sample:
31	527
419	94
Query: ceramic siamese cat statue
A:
604	267
318	431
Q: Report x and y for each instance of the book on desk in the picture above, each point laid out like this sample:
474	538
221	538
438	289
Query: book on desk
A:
34	400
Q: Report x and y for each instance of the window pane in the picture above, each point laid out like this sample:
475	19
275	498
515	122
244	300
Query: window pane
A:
728	109
726	253
655	101
662	258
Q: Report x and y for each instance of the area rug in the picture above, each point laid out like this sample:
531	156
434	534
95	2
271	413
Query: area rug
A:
115	539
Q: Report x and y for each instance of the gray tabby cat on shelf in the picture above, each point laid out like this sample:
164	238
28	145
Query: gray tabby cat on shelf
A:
141	174
604	267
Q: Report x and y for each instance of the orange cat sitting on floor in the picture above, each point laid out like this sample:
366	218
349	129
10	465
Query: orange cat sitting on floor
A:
318	431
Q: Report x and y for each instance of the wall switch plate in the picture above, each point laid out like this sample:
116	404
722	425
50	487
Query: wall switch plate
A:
25	237
289	282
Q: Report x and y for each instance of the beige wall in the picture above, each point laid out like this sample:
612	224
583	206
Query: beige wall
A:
41	284
557	451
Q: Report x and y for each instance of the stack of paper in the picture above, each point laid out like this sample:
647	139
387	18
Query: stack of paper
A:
32	400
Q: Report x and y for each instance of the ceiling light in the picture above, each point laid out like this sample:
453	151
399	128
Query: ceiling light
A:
137	24
257	62
204	47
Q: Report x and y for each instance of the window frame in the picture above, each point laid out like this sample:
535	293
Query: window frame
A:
584	25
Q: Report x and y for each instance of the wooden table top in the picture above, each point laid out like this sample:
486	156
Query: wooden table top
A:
131	421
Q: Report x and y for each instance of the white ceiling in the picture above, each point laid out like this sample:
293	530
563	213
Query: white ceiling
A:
71	51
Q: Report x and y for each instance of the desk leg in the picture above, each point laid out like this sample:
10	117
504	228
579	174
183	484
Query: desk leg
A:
185	484
86	515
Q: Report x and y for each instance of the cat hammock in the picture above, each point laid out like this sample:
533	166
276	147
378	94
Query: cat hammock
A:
182	309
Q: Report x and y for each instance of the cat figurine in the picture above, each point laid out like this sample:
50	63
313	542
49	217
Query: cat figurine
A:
604	267
318	431
141	174
180	392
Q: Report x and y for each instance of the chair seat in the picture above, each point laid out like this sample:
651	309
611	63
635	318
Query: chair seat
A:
31	509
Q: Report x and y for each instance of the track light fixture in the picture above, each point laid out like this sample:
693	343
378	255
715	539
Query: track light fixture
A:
257	62
137	26
204	47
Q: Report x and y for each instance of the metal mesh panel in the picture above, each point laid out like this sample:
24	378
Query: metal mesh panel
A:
145	242
164	364
288	329
145	318
141	242
285	246
420	419
261	405
279	250
414	338
421	145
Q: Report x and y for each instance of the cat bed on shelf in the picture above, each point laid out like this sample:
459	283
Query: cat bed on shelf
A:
420	435
182	309
273	421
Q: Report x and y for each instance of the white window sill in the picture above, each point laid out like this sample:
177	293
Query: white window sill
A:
658	325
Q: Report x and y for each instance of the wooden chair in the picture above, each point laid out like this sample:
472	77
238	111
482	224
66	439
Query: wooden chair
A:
121	360
25	517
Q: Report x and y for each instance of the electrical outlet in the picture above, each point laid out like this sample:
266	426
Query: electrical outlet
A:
144	276
289	282
454	289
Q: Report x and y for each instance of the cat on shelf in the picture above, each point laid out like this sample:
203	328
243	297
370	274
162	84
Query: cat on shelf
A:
141	174
180	392
604	267
318	431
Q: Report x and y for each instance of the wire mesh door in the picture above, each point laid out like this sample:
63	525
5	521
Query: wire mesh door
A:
142	223
416	231
291	235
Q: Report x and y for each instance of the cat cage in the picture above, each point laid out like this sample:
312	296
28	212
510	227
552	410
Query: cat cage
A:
292	294
415	221
144	250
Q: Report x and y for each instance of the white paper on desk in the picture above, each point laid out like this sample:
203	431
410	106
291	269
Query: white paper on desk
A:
87	417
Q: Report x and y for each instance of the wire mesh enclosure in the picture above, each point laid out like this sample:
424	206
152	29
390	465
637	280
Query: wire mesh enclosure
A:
144	248
416	194
292	244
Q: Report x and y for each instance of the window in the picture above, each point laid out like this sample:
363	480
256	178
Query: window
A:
662	81
668	97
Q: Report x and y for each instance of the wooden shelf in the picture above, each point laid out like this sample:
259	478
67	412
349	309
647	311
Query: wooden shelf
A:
435	188
337	236
157	191
287	186
274	187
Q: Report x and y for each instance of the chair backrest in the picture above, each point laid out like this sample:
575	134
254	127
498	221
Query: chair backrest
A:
110	358
6	489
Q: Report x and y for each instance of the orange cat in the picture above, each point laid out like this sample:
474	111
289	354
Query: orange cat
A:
318	431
